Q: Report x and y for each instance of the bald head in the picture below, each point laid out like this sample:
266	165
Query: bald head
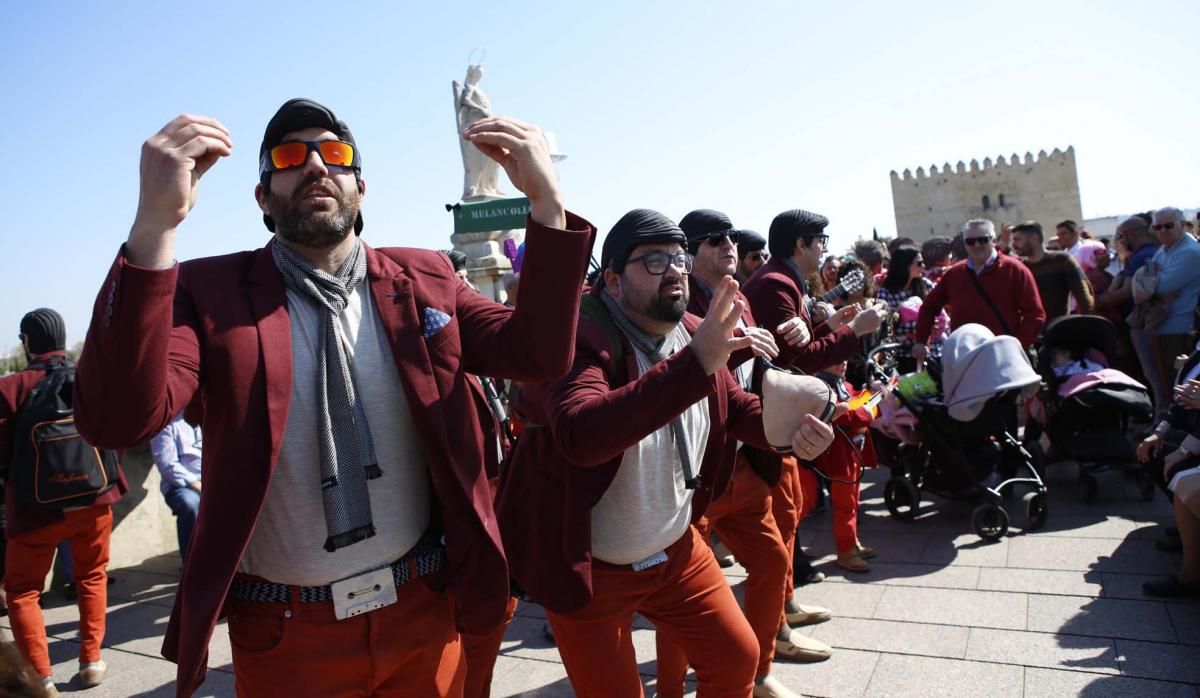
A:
1134	232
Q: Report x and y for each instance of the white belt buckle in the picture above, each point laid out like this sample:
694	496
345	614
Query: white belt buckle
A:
646	563
363	593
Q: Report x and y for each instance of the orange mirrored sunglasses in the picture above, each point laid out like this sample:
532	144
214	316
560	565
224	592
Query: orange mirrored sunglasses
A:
295	153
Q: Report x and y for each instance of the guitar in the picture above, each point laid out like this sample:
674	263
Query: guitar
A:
852	282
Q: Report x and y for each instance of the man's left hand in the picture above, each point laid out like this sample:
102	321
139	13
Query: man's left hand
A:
763	342
521	150
814	436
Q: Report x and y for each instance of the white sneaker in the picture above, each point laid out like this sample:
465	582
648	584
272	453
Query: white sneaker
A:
92	673
770	687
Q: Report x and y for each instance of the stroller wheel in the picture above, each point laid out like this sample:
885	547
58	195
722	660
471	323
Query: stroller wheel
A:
990	521
902	498
1036	510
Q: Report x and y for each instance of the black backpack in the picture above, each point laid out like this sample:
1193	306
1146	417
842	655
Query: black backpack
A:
52	467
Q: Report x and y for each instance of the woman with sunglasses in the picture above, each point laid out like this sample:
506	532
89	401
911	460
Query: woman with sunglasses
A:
905	280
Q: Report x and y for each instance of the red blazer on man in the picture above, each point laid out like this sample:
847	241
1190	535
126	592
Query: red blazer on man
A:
19	516
565	463
220	325
775	297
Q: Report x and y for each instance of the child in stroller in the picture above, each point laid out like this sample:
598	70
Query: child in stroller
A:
961	442
1084	407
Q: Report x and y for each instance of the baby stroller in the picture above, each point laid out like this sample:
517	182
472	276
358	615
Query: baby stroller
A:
961	442
1085	407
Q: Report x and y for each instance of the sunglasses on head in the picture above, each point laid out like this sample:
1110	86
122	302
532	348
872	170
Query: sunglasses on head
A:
1163	226
971	242
291	154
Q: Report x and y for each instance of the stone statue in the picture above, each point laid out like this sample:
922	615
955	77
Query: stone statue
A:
479	171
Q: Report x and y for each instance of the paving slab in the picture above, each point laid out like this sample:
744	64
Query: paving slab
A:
845	674
893	637
909	574
845	600
1154	660
965	549
1049	683
1093	654
988	609
1109	618
1186	620
898	676
1072	583
1059	553
1129	586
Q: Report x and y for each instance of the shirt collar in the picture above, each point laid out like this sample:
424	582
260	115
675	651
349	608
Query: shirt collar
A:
990	261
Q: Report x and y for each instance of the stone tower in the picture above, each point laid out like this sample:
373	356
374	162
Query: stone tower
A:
1045	189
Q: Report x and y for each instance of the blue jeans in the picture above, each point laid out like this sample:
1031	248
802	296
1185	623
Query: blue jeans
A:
185	504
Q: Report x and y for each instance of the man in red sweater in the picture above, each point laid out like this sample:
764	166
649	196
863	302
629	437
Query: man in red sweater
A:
988	288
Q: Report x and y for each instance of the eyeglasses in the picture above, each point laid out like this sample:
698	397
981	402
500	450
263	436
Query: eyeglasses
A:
656	263
1162	226
823	239
295	153
715	239
971	242
919	263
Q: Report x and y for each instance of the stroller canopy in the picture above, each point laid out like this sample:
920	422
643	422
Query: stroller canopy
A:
977	366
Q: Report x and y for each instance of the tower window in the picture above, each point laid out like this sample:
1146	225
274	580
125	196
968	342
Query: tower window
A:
987	203
1001	204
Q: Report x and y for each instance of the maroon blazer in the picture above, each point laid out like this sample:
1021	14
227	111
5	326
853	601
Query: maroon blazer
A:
564	462
775	297
221	324
19	516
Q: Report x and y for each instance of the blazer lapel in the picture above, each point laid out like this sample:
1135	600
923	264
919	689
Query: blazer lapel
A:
269	300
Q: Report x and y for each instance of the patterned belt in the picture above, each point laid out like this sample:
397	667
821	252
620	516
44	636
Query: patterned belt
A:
427	557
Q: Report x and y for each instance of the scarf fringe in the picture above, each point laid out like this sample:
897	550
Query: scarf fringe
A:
342	540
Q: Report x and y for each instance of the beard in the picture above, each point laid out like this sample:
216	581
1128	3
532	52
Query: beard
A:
319	229
661	308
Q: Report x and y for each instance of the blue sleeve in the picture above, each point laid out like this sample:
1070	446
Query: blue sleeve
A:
1179	271
166	458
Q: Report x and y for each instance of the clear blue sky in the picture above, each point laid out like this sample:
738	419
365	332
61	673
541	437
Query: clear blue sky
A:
751	108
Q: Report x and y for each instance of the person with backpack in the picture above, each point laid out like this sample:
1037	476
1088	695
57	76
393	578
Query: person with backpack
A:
57	487
624	454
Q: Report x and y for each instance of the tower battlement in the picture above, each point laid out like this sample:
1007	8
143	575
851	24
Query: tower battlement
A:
1009	189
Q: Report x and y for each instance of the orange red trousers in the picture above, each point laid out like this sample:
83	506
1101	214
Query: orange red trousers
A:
742	518
27	561
687	599
409	649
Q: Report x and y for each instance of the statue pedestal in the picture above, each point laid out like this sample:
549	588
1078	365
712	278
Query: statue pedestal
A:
486	263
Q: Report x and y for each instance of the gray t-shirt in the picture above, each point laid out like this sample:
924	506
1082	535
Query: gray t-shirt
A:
647	507
288	539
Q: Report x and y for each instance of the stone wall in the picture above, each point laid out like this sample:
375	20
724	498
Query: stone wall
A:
1010	190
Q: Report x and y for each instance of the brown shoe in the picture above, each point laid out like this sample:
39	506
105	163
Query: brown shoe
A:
852	562
866	552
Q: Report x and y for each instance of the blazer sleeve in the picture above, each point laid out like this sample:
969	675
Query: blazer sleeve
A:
535	341
773	304
140	364
594	423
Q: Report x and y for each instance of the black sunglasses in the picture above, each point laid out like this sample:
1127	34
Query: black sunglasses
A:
1162	226
715	239
971	242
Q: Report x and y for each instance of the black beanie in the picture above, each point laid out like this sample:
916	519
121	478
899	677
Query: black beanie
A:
638	227
749	241
701	223
45	331
297	115
791	225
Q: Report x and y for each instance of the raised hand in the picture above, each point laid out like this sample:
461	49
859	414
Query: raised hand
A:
173	161
714	339
763	341
520	148
794	332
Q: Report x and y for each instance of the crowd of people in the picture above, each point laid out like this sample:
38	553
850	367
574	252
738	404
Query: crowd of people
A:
372	510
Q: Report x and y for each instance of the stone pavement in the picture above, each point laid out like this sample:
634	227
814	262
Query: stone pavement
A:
1052	613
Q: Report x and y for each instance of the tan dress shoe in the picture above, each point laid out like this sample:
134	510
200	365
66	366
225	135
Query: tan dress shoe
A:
852	562
771	687
798	614
801	648
92	673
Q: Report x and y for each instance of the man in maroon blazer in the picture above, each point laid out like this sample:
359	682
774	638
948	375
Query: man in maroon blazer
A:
346	524
632	452
777	294
742	514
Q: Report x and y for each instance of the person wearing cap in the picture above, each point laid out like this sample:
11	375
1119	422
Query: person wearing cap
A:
346	526
742	515
989	288
778	293
630	453
752	254
34	533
